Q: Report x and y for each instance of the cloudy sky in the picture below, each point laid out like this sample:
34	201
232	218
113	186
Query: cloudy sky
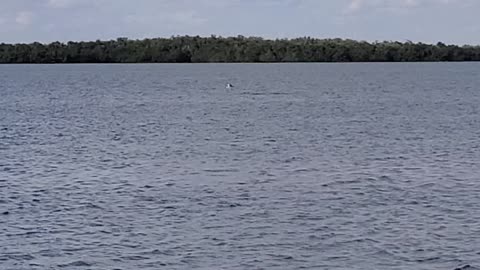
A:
450	21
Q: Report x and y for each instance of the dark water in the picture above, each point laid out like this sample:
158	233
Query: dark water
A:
300	166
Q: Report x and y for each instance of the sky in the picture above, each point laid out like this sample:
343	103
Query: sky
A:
430	21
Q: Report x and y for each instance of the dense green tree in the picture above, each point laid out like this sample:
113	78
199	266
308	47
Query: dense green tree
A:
187	49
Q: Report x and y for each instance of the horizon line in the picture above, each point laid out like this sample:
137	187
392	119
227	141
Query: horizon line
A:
212	36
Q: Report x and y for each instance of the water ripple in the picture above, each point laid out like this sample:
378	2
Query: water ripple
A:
365	166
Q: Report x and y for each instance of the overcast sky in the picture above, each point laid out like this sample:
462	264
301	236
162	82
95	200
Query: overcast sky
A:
450	21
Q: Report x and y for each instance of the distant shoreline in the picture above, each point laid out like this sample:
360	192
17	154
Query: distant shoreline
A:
188	49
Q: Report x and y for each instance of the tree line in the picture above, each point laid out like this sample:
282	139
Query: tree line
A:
188	49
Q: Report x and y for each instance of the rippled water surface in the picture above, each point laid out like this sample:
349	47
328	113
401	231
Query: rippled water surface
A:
300	166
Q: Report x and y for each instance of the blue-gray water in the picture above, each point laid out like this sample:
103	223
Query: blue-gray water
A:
300	166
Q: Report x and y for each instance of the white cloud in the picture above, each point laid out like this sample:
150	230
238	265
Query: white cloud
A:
59	3
24	18
410	3
186	17
179	18
356	5
76	3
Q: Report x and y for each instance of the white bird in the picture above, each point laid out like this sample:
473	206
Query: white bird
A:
229	86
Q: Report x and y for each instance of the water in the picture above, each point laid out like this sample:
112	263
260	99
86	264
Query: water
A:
300	166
